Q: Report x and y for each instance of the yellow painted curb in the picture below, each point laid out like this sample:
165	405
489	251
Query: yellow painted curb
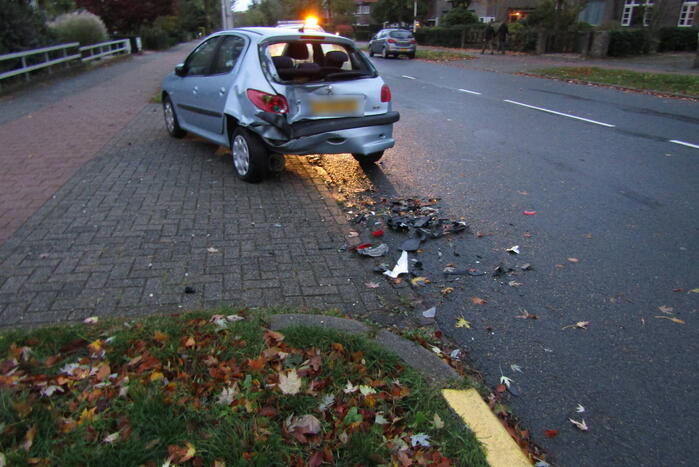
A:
500	449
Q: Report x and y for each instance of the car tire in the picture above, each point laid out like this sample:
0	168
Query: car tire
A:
371	52
384	53
250	156
171	122
368	159
411	55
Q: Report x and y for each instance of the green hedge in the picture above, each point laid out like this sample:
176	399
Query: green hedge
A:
629	42
365	33
678	39
449	36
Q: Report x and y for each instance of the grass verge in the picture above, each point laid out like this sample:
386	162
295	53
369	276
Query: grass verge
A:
217	389
442	55
657	82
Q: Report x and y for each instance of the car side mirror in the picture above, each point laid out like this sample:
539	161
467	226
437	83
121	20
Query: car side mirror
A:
179	70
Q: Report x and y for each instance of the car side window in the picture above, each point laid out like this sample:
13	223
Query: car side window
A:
228	53
199	61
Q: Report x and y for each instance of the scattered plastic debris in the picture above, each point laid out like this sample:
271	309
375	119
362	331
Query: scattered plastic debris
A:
375	252
400	268
412	244
377	233
513	249
529	212
430	313
189	290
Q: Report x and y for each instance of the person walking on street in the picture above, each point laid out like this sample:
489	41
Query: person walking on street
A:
488	38
502	34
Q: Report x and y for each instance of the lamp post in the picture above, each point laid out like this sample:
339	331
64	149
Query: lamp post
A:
414	16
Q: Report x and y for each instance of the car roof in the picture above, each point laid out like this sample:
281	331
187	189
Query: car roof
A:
265	32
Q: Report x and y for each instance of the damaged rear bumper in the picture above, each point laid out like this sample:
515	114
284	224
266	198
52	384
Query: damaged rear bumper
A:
357	135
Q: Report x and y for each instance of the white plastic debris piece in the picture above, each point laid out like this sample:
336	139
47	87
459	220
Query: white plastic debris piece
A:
401	266
430	313
513	249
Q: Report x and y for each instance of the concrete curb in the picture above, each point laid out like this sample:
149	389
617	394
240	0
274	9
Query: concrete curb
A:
415	356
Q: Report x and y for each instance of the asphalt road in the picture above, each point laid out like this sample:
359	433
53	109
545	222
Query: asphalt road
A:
615	232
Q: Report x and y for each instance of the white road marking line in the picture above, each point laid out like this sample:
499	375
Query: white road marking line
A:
406	76
470	92
561	114
676	141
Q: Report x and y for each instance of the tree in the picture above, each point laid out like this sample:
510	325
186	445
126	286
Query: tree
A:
457	16
22	27
127	16
54	8
397	11
191	15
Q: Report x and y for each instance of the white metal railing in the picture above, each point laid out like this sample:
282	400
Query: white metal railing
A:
44	53
65	55
105	48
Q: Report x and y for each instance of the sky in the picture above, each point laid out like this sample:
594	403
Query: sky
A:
241	5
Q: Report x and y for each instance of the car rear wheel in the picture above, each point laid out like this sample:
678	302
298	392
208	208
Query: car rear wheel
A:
250	157
367	159
384	52
171	123
371	51
411	55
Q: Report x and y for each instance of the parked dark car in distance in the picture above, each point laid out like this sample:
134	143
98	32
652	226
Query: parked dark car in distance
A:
394	42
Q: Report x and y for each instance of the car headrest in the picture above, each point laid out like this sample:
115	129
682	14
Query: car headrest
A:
335	58
308	67
297	50
282	62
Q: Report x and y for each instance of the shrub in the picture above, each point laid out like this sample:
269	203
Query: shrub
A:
451	36
80	26
155	38
22	27
522	38
458	16
629	42
678	39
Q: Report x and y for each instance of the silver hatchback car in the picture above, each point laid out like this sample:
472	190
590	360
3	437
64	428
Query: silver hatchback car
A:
266	92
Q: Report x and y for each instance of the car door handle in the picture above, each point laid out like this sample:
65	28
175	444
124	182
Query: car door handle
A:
222	91
195	90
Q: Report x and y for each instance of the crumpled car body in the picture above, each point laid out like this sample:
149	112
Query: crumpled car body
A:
298	92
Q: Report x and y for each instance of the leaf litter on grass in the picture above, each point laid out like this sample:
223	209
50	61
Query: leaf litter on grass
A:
277	398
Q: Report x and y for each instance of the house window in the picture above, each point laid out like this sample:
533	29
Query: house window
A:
363	9
636	12
687	14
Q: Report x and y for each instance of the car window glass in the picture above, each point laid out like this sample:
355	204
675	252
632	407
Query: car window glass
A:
199	61
228	53
346	65
401	34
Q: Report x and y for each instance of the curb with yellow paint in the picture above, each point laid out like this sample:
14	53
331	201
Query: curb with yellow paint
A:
500	449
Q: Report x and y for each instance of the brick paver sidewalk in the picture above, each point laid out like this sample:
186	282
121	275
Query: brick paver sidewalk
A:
123	227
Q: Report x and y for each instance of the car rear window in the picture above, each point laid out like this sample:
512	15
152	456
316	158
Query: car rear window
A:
401	34
307	60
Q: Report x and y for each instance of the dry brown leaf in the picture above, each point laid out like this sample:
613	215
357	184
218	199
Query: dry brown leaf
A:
666	309
447	290
290	383
574	260
673	319
29	438
180	455
478	301
419	281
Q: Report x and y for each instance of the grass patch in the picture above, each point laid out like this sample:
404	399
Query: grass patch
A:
157	98
442	55
658	82
201	387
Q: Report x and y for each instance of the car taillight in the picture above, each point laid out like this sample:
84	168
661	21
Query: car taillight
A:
391	41
385	93
268	102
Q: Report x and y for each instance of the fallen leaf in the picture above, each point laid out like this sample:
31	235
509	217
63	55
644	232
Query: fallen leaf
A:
109	439
372	285
180	455
349	389
582	426
327	402
526	315
588	235
513	249
447	290
462	323
516	368
678	290
91	320
160	337
212	250
366	390
694	290
505	380
419	281
228	394
666	309
673	319
290	383
420	439
529	213
29	438
380	419
514	284
574	260
550	433
578	325
478	301
438	422
580	408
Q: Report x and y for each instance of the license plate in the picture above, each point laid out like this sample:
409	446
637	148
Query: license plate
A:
334	106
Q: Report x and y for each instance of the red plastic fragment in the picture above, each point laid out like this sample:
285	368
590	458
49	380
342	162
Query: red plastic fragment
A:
529	213
363	245
550	433
377	233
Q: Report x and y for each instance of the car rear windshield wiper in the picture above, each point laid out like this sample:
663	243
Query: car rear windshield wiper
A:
345	75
